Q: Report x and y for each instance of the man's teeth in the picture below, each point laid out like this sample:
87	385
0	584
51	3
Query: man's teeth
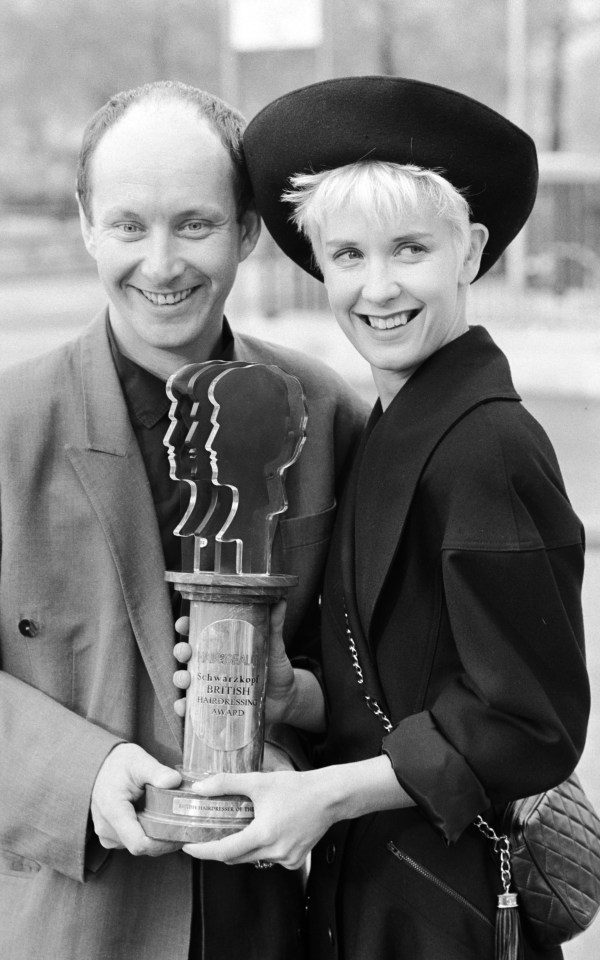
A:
389	323
162	299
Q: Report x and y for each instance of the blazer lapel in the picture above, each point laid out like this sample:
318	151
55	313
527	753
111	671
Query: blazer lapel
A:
347	547
465	373
111	470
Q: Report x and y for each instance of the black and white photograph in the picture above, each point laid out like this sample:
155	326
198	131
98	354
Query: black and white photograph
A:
299	480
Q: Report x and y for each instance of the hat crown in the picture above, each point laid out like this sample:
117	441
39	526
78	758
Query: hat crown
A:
336	122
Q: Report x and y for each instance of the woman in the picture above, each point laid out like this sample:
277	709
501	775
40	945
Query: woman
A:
453	667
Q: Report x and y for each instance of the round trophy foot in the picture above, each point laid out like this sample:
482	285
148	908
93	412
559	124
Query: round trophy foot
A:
182	815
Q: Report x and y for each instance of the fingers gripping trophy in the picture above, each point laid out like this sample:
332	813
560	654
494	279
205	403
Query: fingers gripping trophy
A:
235	429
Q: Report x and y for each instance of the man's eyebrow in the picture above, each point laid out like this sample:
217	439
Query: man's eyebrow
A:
123	212
207	212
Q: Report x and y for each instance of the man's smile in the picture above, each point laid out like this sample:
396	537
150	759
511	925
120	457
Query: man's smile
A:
390	322
166	299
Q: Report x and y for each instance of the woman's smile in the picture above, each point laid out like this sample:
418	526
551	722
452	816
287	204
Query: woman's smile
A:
390	321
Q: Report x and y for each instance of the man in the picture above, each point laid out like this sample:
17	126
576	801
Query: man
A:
88	509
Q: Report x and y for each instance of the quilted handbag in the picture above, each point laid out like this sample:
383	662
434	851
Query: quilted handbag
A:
553	854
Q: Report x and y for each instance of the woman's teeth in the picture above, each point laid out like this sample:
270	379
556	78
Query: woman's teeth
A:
390	323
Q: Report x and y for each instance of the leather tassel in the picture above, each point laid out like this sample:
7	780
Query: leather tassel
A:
509	944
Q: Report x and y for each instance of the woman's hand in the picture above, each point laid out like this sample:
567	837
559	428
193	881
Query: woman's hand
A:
275	758
290	817
293	696
182	652
280	673
292	811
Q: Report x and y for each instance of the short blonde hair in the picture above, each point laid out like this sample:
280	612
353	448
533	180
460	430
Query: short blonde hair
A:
379	188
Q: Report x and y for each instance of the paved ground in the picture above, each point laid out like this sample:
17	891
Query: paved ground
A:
556	370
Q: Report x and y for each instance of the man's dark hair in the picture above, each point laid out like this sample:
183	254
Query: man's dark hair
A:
227	123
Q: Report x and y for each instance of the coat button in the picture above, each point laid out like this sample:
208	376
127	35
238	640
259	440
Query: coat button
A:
28	628
330	853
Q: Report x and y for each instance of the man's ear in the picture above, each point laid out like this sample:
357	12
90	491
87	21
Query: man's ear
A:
470	267
87	231
250	231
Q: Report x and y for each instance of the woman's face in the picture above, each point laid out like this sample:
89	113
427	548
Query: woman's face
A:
397	288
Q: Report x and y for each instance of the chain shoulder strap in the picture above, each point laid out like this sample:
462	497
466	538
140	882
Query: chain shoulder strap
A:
502	848
371	703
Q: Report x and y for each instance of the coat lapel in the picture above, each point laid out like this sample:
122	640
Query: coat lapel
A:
347	552
111	470
465	373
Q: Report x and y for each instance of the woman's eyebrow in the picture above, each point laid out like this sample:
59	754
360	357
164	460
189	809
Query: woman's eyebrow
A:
409	235
414	235
336	242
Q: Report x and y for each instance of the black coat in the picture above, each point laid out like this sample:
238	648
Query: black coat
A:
458	560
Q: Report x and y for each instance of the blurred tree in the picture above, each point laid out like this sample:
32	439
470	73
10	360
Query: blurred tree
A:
448	43
61	59
559	29
386	45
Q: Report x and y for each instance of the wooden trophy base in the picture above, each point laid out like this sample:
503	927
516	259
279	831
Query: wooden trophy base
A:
184	816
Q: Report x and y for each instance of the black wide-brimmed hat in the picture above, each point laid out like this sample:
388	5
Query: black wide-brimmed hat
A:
337	122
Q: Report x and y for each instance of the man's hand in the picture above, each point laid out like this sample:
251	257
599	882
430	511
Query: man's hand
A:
120	782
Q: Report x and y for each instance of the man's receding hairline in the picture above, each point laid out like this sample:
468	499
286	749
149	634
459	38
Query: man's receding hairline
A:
151	103
157	102
226	122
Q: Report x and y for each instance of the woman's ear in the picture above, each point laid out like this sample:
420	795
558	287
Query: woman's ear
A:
472	261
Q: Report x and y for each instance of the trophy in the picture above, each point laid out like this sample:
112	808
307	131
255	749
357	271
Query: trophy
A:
235	429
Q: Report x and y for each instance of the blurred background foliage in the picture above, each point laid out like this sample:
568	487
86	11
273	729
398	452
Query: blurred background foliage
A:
535	60
61	59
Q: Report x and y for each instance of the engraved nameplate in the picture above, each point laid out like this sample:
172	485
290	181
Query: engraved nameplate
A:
213	807
229	680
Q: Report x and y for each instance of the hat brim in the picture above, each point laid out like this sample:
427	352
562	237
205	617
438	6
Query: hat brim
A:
342	121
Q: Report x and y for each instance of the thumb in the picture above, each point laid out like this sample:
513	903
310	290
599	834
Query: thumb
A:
277	618
221	784
150	771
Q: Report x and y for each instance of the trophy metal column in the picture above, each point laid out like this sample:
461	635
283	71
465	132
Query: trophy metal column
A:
235	429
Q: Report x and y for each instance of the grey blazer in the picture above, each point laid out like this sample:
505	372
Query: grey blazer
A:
86	637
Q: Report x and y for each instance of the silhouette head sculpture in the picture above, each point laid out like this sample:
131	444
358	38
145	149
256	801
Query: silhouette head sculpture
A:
235	429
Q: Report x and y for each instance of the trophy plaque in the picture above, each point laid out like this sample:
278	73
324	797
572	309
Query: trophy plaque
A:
235	429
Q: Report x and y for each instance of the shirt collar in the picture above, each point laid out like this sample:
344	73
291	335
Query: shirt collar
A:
144	392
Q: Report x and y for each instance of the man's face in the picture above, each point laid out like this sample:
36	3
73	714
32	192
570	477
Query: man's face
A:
164	230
